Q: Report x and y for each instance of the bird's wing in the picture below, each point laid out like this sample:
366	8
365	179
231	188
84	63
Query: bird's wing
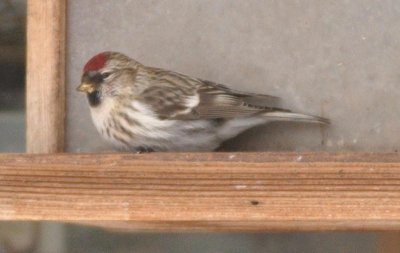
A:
175	96
262	99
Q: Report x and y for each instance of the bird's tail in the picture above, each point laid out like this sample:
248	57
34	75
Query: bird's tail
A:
291	116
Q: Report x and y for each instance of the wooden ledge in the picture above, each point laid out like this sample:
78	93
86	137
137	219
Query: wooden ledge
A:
205	191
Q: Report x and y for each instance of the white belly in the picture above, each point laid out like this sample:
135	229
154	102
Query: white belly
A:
137	127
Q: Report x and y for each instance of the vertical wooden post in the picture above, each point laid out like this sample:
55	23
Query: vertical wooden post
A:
45	82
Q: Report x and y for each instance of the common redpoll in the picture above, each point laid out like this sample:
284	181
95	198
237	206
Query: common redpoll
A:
142	108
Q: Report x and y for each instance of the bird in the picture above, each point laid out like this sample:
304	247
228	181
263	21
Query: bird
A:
139	108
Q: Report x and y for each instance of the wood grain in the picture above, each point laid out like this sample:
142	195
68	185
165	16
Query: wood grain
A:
45	76
205	191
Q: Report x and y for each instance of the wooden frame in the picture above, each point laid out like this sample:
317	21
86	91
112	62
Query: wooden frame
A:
213	191
206	191
45	89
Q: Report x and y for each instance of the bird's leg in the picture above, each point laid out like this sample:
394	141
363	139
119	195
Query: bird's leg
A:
143	149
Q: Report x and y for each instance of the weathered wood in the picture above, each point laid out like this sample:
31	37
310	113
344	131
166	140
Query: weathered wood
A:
205	191
45	76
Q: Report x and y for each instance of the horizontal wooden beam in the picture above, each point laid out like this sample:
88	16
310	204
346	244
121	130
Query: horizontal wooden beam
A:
205	191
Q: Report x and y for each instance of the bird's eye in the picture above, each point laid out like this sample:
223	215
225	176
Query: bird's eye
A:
105	74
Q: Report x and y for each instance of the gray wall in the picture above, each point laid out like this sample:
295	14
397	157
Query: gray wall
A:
339	59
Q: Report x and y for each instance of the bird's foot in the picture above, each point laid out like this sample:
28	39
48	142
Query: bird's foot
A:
142	150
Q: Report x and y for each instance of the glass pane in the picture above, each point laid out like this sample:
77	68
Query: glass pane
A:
12	73
14	236
50	237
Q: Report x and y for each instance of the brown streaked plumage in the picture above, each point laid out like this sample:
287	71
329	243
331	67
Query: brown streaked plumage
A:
142	108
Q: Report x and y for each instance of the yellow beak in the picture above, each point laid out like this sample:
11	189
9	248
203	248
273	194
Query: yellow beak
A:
86	87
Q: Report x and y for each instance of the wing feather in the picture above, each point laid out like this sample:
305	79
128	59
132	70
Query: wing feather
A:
176	96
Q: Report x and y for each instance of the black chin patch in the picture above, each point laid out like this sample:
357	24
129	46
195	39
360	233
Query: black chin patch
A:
94	98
